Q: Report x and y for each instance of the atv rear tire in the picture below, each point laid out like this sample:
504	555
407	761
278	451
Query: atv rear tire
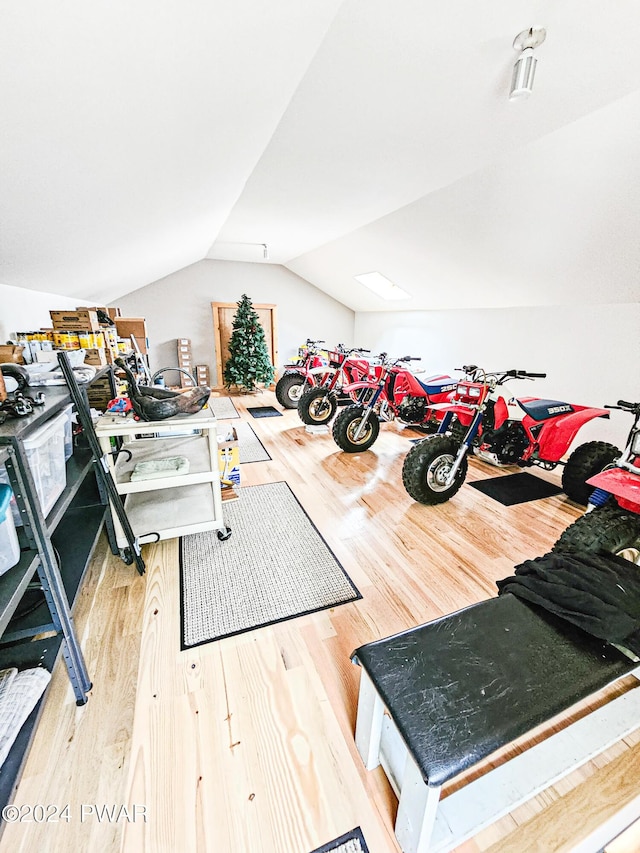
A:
585	462
607	528
317	406
346	425
289	389
427	466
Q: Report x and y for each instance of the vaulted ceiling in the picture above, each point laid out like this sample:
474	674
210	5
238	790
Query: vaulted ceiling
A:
346	137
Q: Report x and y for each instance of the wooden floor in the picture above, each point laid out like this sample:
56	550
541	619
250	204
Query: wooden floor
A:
246	745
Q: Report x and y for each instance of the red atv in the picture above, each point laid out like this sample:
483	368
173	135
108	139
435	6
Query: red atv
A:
391	392
311	368
612	520
487	420
319	404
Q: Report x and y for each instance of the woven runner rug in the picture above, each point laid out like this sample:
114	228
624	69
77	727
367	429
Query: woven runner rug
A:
275	566
251	448
223	408
350	842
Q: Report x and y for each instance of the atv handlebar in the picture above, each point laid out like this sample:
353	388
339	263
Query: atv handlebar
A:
625	406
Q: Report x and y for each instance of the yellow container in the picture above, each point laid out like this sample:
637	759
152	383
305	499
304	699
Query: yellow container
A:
86	340
66	340
98	338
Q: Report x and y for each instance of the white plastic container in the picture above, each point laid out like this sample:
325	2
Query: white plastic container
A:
9	546
68	431
45	457
15	512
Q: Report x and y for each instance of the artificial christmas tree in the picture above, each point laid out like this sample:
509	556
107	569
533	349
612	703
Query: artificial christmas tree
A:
248	361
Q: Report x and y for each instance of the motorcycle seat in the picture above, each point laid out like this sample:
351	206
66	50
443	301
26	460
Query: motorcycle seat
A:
542	410
438	384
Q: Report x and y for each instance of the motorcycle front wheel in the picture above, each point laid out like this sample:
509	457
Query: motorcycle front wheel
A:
427	466
317	406
345	428
289	389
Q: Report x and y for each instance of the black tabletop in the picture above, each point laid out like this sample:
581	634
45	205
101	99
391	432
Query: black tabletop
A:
462	686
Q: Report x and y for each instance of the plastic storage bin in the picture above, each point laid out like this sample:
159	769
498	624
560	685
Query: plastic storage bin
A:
15	512
68	431
45	457
9	546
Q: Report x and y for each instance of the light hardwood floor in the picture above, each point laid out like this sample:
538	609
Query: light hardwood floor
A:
246	745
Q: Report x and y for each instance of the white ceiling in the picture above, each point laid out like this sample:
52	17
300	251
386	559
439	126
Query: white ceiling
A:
138	138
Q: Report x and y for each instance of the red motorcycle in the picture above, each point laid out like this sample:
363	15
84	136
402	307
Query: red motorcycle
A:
392	392
318	405
310	369
612	520
503	430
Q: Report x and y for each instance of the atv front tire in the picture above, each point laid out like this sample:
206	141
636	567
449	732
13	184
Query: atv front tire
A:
289	389
606	528
585	462
346	426
317	406
427	466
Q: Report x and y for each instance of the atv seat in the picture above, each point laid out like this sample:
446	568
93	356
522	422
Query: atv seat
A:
461	687
542	410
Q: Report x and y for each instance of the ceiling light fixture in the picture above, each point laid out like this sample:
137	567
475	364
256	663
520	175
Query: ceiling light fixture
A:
381	286
525	68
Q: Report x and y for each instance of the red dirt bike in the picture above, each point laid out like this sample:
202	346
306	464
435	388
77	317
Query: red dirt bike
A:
503	430
318	405
612	520
393	392
310	369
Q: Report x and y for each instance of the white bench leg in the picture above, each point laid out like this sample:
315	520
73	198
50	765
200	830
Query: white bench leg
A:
416	811
369	722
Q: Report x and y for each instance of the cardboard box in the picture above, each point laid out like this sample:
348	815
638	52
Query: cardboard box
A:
228	458
11	353
83	320
97	357
136	326
202	374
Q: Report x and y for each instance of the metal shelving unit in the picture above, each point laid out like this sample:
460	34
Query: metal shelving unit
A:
55	552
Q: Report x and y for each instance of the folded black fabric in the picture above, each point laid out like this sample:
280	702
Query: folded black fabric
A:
599	593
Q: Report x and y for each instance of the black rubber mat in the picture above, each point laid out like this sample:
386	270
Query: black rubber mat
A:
264	412
516	488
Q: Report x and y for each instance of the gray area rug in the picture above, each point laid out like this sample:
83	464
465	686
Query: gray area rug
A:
275	566
251	448
223	408
350	842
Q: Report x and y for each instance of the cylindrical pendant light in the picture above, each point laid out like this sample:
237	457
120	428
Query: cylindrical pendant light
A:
525	68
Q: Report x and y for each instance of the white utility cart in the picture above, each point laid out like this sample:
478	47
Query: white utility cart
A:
167	506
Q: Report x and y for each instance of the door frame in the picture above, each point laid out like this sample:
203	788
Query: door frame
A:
267	306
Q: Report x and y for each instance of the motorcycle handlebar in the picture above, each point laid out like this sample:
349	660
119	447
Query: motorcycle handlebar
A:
634	408
524	374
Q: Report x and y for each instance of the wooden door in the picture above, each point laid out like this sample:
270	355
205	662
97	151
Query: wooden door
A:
223	314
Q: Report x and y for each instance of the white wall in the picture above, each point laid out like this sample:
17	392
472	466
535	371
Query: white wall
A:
180	306
24	310
591	353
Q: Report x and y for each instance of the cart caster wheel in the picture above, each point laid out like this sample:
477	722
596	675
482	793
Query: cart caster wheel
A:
127	556
223	535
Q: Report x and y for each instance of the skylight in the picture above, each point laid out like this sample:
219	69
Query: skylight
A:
381	285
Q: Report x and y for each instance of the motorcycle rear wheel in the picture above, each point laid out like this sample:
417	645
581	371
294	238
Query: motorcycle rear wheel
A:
607	528
289	389
585	462
426	467
346	425
317	406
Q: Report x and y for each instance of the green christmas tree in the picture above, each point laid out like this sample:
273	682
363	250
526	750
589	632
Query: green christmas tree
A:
248	361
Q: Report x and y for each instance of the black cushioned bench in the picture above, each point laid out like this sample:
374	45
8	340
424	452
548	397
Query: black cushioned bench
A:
461	687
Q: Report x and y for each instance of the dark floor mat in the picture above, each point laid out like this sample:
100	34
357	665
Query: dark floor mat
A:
264	412
516	488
